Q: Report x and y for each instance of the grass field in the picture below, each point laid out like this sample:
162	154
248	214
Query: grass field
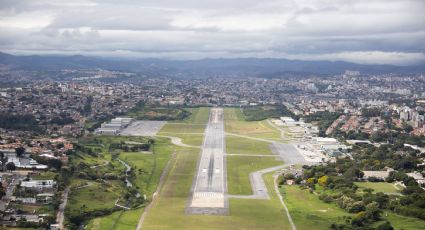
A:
190	139
257	113
194	124
404	223
169	210
181	128
152	165
151	112
198	115
235	123
239	168
240	145
378	186
122	220
307	211
190	130
96	196
148	167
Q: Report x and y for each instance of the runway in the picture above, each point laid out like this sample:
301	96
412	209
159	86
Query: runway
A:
209	187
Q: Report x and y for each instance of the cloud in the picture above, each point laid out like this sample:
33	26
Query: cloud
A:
364	31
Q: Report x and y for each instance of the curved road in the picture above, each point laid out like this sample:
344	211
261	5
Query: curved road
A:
178	141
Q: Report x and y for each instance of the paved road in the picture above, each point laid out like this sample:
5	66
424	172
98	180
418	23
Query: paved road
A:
9	191
60	216
209	189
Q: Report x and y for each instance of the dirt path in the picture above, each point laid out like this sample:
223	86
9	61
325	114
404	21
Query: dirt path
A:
276	188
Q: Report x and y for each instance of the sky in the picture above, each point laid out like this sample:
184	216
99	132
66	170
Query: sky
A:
361	31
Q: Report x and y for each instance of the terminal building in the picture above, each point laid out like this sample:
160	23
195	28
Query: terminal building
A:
114	126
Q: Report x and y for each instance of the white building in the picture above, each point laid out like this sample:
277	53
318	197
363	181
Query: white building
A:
38	184
114	126
417	176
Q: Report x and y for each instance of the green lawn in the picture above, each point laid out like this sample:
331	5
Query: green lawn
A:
239	168
190	139
234	123
148	167
182	128
94	197
169	210
307	211
378	186
45	176
199	115
121	220
196	123
403	222
240	145
151	112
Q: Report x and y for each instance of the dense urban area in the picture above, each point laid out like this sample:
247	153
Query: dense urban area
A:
101	149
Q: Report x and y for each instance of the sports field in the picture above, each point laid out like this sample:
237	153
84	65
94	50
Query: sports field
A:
378	186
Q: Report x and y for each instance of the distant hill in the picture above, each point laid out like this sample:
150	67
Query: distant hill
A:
201	68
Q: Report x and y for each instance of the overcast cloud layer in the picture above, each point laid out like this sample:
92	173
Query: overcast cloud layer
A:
363	31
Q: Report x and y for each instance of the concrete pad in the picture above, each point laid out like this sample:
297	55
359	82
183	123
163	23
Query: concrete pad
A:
143	128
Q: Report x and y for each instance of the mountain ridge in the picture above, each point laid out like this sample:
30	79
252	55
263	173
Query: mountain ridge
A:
208	66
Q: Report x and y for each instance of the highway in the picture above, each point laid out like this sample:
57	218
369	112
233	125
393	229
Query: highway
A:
209	188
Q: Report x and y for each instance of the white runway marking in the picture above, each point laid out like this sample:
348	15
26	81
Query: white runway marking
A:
209	190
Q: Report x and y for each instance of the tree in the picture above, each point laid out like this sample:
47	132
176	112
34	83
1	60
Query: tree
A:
20	151
373	212
385	226
359	219
3	160
55	163
10	166
323	181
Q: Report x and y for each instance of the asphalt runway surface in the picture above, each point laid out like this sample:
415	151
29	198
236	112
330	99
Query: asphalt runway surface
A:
289	154
209	187
143	128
